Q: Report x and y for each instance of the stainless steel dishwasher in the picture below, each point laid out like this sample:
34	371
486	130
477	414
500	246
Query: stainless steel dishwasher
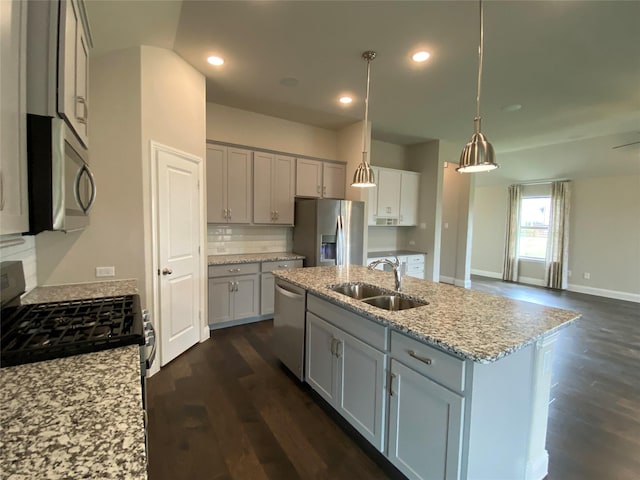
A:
288	326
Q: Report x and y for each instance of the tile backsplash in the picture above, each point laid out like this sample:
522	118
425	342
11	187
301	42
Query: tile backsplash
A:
24	249
238	239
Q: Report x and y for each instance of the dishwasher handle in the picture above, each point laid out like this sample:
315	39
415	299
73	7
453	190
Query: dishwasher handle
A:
288	293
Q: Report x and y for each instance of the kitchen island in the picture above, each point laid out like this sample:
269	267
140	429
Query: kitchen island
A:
455	389
74	417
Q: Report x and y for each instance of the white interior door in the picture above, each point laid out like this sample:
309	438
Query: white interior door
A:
178	257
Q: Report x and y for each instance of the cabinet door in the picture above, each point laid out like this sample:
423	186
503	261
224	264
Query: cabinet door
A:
283	189
14	213
388	194
308	178
216	184
372	201
220	292
267	293
246	298
409	198
320	361
361	392
239	185
263	210
333	180
72	69
425	426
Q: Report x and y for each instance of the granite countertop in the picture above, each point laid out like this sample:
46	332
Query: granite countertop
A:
477	326
252	257
77	291
388	253
74	417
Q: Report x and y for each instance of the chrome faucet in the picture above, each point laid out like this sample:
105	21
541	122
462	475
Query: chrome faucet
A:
397	273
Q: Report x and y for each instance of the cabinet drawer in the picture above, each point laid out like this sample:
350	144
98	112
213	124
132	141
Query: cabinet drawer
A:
415	268
233	269
432	362
363	329
415	259
280	265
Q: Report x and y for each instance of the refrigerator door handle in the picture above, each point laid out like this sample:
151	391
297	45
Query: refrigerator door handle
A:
340	246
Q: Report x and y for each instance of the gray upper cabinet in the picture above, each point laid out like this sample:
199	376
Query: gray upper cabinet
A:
229	184
14	211
58	63
318	179
273	189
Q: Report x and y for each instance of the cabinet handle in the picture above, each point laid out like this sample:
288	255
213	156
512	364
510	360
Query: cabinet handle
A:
333	347
231	286
324	189
234	270
318	188
418	357
277	215
85	108
391	377
283	266
338	348
229	217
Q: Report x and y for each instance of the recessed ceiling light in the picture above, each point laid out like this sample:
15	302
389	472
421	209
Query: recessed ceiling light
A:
213	60
346	100
512	108
421	56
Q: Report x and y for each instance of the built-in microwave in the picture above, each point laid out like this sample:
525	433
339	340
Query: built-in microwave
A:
62	189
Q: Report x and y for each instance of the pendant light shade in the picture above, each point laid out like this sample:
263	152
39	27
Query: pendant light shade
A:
363	176
478	154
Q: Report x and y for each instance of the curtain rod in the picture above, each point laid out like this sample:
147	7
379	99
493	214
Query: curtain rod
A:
543	182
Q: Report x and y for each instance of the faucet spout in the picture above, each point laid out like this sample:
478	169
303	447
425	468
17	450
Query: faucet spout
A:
395	265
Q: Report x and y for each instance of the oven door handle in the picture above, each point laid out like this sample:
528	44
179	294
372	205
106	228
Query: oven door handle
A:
150	341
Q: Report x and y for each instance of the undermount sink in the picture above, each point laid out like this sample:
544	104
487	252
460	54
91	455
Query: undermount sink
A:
360	290
377	296
394	302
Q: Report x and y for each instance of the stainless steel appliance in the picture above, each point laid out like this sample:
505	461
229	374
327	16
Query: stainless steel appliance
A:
288	326
44	331
329	232
62	189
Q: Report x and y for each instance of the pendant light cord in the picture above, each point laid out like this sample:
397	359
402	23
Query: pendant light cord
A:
366	116
480	56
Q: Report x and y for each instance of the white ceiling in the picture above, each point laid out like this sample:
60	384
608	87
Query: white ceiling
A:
573	65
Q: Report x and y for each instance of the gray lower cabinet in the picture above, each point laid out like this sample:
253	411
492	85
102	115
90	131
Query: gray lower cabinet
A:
267	282
349	374
233	298
425	426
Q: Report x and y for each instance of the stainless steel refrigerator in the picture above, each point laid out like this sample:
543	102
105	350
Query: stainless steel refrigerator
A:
328	232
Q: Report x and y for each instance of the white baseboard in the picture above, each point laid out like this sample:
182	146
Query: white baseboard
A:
601	292
458	282
537	469
486	273
449	280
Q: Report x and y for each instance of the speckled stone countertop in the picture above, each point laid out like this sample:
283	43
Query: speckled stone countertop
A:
477	326
74	417
76	291
387	253
252	257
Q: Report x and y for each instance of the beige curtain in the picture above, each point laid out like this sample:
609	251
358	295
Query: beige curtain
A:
510	269
557	260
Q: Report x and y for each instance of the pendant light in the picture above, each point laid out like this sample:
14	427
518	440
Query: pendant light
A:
478	154
363	176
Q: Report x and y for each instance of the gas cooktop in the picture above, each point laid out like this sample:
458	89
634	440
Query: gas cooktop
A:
43	331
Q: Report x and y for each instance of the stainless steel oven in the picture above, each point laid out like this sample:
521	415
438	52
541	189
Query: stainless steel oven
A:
62	188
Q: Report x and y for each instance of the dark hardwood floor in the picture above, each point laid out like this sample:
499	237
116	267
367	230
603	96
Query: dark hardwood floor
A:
226	409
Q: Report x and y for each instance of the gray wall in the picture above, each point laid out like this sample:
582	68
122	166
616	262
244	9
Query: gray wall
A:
604	236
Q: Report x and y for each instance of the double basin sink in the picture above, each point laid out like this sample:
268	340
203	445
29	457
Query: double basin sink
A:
378	297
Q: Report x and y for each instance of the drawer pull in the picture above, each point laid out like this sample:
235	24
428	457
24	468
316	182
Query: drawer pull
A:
418	357
232	270
283	266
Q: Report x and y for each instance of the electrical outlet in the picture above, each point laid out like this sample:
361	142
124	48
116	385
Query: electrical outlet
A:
423	226
586	275
412	242
105	271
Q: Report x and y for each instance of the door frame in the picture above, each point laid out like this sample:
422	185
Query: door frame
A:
154	149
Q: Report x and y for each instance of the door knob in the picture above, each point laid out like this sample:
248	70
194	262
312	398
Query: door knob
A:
167	271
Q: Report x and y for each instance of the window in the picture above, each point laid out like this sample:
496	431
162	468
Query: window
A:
535	214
